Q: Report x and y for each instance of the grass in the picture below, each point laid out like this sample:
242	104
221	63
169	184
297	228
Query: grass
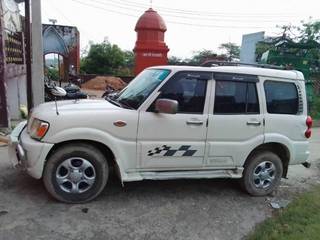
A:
300	220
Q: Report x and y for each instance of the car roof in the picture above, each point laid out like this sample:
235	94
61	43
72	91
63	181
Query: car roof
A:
257	71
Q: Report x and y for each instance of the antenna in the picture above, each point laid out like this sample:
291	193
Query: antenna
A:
55	100
151	3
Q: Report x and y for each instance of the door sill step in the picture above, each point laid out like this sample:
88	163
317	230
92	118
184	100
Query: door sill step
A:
229	173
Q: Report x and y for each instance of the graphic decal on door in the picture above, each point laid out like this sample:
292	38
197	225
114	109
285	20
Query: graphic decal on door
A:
166	151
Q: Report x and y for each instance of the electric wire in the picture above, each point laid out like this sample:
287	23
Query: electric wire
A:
170	21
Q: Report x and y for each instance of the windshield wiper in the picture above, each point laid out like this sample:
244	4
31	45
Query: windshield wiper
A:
119	103
113	101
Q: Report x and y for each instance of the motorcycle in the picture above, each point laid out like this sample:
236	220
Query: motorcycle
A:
72	92
109	92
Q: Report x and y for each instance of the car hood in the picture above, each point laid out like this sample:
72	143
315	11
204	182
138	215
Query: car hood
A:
76	105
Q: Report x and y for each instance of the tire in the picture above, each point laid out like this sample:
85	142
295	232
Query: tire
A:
76	173
262	173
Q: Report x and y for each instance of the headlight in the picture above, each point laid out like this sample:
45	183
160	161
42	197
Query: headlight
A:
38	129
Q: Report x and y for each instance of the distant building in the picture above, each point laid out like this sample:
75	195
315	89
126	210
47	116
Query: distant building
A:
64	41
12	63
248	46
150	49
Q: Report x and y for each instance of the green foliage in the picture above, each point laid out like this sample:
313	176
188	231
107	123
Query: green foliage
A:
23	112
127	68
315	107
262	47
107	58
52	74
175	60
301	220
200	57
310	31
232	50
306	36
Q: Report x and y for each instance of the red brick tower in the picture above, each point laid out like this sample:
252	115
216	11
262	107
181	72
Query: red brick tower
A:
150	49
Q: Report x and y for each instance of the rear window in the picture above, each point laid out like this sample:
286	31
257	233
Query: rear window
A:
281	97
233	97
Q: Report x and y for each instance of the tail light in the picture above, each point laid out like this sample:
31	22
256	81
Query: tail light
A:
309	125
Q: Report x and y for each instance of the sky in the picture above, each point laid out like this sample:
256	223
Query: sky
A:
192	25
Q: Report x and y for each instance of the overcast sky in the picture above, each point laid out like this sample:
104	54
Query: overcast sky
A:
192	25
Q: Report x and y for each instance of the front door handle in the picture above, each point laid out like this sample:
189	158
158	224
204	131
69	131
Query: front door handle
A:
195	122
253	123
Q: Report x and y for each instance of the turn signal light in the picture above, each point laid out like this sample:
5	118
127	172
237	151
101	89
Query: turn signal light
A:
38	129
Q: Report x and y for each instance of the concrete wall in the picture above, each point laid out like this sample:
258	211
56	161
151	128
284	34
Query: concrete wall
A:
16	89
248	47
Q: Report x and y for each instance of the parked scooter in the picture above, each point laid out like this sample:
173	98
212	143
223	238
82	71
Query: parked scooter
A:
72	92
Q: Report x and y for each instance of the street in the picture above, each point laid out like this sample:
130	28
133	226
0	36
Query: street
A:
179	209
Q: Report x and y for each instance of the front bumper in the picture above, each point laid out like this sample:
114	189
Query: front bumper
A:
17	154
27	153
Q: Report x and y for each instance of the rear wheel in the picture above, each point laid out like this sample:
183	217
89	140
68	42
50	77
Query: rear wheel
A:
262	173
76	173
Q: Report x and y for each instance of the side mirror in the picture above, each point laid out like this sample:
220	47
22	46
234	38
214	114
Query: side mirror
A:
58	91
164	105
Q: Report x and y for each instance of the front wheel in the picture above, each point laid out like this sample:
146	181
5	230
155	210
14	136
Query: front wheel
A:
76	173
262	173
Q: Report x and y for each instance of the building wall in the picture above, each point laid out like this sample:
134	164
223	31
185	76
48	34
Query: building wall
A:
16	89
12	68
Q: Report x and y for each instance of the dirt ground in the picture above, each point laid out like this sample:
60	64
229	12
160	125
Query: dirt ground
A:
180	209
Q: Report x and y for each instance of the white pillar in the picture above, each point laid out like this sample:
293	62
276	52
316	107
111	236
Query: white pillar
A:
37	53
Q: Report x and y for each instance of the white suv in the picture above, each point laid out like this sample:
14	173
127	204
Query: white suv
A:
171	122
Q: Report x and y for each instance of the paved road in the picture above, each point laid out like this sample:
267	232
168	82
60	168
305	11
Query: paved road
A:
183	209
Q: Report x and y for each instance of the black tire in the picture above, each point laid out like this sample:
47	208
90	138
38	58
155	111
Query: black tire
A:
253	173
92	156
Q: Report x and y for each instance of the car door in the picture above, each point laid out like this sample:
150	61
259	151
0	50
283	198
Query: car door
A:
176	141
236	119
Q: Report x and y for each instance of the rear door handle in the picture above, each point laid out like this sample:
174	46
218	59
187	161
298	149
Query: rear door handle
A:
195	122
253	123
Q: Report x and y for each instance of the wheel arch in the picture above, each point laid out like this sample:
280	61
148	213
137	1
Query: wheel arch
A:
106	151
277	148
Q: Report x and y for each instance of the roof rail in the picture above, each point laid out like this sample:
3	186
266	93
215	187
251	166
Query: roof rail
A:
214	63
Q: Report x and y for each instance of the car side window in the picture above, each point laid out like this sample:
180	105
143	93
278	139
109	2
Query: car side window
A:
281	97
189	89
236	97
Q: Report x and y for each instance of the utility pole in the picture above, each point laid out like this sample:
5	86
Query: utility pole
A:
4	118
28	54
37	54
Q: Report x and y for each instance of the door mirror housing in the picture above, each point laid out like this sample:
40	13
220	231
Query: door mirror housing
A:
164	105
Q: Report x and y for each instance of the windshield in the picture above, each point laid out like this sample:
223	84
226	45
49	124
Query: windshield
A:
141	87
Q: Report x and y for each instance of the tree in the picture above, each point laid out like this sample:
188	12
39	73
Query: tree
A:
232	50
127	68
200	57
262	47
306	36
103	58
172	60
310	31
